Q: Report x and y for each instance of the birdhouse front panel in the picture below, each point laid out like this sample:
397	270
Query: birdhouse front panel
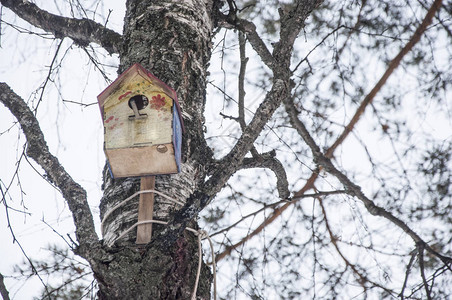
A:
142	124
153	125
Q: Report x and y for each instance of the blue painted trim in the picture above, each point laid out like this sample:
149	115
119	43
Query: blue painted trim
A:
109	169
177	137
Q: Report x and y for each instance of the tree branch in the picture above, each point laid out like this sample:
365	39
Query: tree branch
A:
280	90
37	149
241	87
81	31
361	277
291	23
407	274
351	188
241	83
222	170
268	160
391	67
3	290
422	269
276	212
231	21
233	160
366	101
228	165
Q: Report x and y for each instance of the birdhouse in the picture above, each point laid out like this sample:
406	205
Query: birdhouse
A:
142	125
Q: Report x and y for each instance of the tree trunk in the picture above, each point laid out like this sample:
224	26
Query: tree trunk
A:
172	40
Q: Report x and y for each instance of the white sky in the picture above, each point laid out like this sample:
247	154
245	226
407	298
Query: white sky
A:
76	141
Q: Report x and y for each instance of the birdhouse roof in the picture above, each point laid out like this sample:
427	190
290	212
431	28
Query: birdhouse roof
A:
127	75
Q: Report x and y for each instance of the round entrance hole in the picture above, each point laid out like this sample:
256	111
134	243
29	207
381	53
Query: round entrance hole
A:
140	100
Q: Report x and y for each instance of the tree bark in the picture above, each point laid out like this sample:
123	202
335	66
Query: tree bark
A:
172	40
81	31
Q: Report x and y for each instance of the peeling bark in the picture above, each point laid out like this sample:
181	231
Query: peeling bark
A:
173	41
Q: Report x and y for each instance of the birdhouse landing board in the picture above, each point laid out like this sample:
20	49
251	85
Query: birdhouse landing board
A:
142	125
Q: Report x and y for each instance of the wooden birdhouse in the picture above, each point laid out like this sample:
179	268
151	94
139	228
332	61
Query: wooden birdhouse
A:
142	125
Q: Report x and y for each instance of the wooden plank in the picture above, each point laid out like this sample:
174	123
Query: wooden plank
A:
142	161
145	210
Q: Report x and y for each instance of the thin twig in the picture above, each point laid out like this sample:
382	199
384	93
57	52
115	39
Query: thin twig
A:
48	79
422	269
362	278
407	274
366	101
15	240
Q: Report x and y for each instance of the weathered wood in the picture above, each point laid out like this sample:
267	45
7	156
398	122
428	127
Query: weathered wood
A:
141	113
142	161
145	210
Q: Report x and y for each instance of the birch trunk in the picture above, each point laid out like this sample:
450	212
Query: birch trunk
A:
172	40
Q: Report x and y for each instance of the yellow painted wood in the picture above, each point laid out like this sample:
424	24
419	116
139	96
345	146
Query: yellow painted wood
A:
122	131
131	137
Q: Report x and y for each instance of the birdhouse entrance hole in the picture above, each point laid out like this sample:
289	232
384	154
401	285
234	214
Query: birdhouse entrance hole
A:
137	103
140	100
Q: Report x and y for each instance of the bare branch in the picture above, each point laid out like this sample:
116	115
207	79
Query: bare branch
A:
228	165
422	268
273	216
254	213
367	100
48	77
280	90
256	42
241	87
268	160
391	67
316	46
241	84
407	274
292	22
362	278
37	149
232	21
277	211
15	240
3	290
232	161
82	31
352	188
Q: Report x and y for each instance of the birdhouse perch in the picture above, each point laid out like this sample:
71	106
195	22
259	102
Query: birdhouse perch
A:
142	125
